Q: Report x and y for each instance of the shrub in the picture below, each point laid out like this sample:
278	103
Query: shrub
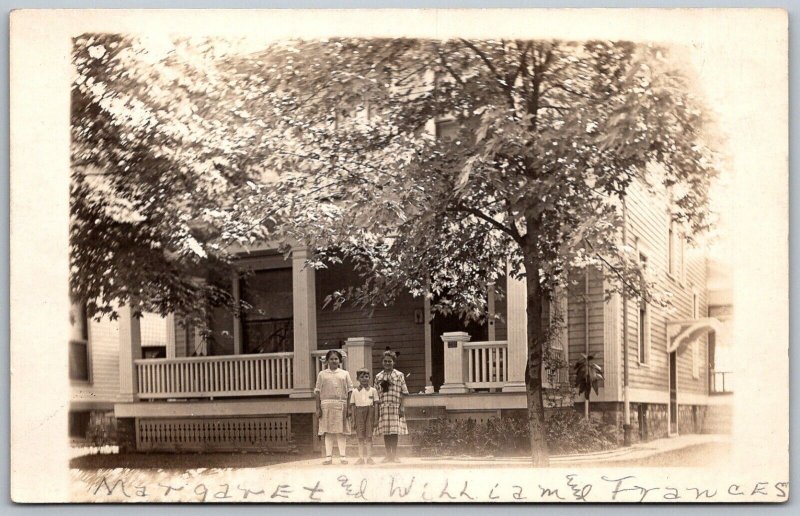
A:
102	429
567	432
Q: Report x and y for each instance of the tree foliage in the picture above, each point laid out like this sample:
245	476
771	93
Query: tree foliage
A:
536	147
157	156
588	375
437	167
540	142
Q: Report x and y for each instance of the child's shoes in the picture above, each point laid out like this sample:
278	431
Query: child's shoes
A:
370	461
360	461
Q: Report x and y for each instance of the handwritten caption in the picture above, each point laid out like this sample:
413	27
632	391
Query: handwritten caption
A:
572	487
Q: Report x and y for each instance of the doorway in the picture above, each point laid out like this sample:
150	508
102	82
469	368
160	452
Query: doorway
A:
673	393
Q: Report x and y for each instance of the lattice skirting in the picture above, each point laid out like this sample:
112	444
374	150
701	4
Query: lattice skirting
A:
213	434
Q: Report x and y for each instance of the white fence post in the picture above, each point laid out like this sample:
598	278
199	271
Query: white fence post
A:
454	363
359	355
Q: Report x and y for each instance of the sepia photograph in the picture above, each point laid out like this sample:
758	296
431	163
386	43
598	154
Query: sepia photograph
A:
428	260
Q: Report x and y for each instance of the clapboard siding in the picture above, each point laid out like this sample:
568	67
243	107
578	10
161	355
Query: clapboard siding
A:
104	363
577	318
393	326
648	228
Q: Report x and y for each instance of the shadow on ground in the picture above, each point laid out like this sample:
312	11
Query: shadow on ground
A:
181	461
700	455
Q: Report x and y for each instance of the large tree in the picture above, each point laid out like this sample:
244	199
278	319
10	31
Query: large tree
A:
432	164
158	152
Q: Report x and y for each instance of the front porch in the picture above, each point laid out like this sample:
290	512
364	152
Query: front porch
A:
249	388
252	401
470	367
250	355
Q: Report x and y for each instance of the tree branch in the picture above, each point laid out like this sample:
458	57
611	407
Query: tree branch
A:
511	231
501	79
452	72
615	270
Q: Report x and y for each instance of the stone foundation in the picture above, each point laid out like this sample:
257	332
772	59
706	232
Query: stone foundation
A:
648	420
691	419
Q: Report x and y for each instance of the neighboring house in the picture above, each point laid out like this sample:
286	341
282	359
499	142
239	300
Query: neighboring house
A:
720	351
250	383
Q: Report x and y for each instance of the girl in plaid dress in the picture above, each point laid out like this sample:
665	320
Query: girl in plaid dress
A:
391	386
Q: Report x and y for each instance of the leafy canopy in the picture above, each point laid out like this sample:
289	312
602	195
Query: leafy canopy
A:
427	163
430	163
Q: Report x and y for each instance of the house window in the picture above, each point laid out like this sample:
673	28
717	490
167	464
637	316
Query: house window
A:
154	335
643	320
671	249
643	323
79	367
676	251
267	326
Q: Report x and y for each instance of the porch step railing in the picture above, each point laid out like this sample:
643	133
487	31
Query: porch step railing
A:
215	376
721	382
487	364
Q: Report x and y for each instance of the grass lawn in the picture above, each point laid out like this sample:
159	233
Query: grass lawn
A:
180	462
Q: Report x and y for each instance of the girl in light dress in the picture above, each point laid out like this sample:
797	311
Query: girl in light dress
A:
332	393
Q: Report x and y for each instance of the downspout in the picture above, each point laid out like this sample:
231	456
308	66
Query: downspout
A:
626	401
586	333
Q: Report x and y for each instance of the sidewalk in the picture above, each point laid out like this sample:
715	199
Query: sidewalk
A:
635	452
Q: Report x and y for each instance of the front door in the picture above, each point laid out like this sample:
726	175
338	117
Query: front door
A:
673	392
443	324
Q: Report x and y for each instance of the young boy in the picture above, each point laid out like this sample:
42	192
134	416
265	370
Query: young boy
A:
364	398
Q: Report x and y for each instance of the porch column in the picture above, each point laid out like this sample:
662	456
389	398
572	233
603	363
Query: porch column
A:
237	321
359	355
428	344
169	321
490	302
304	305
517	320
130	349
455	368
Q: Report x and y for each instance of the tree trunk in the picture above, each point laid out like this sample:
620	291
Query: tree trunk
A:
533	371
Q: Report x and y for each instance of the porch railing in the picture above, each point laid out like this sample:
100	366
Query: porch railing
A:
721	382
487	364
215	376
